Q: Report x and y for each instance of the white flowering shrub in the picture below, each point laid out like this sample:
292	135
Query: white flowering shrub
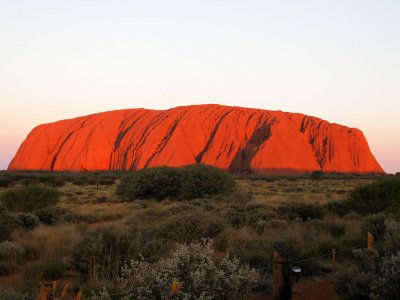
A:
387	285
194	268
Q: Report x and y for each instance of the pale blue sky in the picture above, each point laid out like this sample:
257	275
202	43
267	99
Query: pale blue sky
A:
338	60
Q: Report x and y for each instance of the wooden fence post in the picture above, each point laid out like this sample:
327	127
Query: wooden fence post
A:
370	241
79	295
333	260
282	273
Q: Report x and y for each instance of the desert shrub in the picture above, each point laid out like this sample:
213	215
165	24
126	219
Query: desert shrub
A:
28	221
190	182
375	224
181	207
262	224
312	224
375	197
336	229
45	270
29	198
188	227
8	222
102	252
292	210
148	216
11	254
354	279
276	224
82	179
71	217
317	175
11	251
199	181
254	206
333	228
262	213
203	204
253	251
106	181
194	265
391	242
101	199
159	183
337	207
51	215
233	215
387	285
6	179
14	294
53	269
238	198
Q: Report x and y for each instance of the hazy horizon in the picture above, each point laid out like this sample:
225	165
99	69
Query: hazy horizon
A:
337	61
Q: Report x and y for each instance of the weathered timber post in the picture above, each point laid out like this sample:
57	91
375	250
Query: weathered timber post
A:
79	295
333	260
370	241
282	273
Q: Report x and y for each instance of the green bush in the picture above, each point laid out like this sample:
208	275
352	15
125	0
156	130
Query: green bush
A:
235	216
187	227
29	198
28	221
71	217
11	251
45	270
354	278
199	181
6	179
158	183
337	207
262	213
8	222
194	181
336	229
54	269
293	210
14	294
51	215
375	224
375	197
317	175
387	285
255	252
391	242
11	255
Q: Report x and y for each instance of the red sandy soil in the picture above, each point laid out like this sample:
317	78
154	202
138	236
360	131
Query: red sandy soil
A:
310	288
232	138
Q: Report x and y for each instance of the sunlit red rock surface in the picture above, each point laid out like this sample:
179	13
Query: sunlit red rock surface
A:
233	138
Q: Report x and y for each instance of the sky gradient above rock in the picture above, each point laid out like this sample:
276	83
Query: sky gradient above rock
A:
338	61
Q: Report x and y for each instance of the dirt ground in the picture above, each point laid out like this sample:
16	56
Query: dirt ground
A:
310	288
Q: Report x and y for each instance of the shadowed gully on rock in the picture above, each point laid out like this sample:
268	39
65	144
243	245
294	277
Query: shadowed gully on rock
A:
237	139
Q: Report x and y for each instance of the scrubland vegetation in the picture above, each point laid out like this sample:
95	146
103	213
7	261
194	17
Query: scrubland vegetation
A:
110	233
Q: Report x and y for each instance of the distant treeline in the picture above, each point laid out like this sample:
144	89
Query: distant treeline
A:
8	178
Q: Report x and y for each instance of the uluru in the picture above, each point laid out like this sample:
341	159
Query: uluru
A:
237	139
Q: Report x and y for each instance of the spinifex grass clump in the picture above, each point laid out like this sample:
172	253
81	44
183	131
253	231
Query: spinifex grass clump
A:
194	181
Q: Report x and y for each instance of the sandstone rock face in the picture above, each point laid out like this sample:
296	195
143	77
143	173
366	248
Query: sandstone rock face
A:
232	138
